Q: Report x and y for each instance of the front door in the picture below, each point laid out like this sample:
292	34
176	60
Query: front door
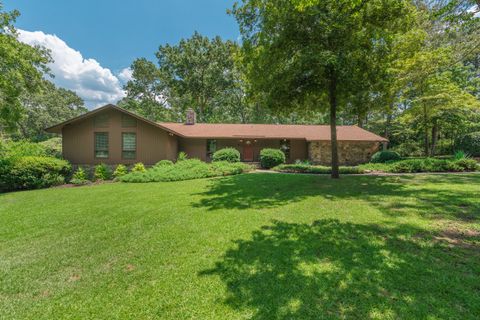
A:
247	152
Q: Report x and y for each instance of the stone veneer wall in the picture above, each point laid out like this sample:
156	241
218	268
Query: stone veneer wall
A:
349	152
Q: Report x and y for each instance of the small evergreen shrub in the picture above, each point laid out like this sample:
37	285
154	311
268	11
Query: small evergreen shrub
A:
79	177
162	163
227	154
182	156
460	155
384	156
270	158
102	172
470	143
120	171
138	167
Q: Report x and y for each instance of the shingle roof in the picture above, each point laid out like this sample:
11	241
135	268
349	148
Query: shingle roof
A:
273	131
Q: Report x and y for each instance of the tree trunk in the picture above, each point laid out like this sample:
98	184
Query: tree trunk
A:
388	122
333	125
426	149
434	138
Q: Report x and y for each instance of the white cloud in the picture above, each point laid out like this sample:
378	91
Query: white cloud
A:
95	84
125	75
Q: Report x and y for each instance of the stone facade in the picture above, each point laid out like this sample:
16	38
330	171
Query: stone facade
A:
349	152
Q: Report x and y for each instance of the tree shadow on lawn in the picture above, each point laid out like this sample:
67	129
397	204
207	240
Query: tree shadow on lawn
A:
330	270
394	195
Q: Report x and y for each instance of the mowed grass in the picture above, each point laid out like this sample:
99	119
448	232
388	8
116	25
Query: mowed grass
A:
253	246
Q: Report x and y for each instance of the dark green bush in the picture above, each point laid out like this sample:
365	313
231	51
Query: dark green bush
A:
32	172
227	154
470	143
270	158
384	156
304	168
186	170
102	172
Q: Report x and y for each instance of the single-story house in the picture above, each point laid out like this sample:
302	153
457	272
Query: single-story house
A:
113	135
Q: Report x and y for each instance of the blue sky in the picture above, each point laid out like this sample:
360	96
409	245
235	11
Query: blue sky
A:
93	42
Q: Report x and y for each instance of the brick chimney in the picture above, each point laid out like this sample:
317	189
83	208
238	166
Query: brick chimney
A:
190	116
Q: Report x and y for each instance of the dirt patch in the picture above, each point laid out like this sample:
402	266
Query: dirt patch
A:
454	236
74	278
129	268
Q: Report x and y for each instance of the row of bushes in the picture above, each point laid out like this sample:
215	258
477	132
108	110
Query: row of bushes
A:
306	168
185	170
102	172
269	158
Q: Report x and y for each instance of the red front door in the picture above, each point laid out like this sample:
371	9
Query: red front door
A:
247	152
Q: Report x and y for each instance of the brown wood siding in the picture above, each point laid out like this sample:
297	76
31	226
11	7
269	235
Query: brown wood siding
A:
153	144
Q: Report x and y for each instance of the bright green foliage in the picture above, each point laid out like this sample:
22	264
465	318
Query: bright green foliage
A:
32	172
102	172
120	171
182	156
254	246
22	148
470	143
138	167
384	156
162	163
53	147
186	170
227	154
79	177
305	168
270	158
22	68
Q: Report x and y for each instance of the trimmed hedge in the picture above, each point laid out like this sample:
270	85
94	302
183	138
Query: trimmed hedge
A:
270	158
227	154
384	156
186	170
470	143
304	168
32	172
433	165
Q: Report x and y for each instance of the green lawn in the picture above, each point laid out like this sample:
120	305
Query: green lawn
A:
253	246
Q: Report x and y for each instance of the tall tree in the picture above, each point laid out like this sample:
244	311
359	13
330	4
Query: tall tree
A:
146	91
198	72
306	53
44	108
21	70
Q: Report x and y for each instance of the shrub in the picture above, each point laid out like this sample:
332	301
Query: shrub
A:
138	167
186	170
182	156
460	155
270	158
18	149
120	171
384	156
102	172
304	168
162	163
470	143
466	164
227	154
32	172
79	177
53	147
